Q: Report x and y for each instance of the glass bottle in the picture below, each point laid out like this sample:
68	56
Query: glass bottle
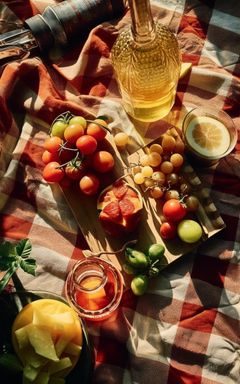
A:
146	61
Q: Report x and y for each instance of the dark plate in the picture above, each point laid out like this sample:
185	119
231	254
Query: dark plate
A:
10	306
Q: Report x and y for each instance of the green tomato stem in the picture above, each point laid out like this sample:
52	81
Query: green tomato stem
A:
5	279
100	125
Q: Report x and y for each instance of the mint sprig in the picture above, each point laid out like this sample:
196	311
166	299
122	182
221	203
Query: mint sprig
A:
14	256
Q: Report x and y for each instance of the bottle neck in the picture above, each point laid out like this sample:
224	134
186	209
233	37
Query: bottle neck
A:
143	28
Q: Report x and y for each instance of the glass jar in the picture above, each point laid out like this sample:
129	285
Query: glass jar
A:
94	288
146	61
208	134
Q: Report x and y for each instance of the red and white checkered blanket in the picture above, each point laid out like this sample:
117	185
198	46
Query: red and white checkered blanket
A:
186	329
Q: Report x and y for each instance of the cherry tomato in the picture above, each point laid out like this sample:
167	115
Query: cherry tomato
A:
86	144
192	203
174	210
52	173
75	171
78	120
95	130
53	144
103	161
168	230
89	184
48	156
58	128
73	132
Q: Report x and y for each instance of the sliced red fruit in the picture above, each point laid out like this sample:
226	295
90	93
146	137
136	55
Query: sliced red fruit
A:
120	189
121	206
112	210
132	193
127	207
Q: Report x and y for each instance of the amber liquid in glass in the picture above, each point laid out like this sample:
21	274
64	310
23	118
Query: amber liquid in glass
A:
94	293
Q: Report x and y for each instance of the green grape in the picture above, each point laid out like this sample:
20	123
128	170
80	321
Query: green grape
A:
147	171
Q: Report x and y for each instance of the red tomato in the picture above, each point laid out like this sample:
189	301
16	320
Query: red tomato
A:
86	144
75	170
52	173
48	156
73	132
53	144
168	230
89	184
96	131
103	161
174	210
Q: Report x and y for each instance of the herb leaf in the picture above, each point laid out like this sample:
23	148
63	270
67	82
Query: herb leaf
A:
23	248
13	257
29	266
7	255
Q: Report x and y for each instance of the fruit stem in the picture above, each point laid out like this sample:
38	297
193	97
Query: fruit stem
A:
100	125
88	253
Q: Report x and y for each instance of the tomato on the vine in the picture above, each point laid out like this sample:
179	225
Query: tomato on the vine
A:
103	161
174	210
53	144
48	156
95	130
73	132
75	170
89	184
58	128
52	172
86	144
78	120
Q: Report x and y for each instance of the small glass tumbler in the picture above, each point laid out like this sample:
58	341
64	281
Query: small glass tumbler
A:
209	135
94	288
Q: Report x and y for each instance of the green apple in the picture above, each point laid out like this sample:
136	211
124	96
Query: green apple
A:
189	231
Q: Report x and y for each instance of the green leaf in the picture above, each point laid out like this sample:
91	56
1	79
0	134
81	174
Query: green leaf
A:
23	248
29	266
7	255
14	256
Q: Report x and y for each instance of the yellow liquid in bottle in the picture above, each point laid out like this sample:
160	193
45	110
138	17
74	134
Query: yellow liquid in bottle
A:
147	73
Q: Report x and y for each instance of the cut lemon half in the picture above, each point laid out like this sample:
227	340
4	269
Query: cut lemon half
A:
208	136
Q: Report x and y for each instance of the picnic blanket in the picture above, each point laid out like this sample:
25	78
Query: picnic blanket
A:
186	328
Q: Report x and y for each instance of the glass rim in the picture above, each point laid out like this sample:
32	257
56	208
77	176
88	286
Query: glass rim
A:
211	112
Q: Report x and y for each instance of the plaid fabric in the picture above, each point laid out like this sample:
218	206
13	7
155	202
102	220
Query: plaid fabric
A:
186	328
